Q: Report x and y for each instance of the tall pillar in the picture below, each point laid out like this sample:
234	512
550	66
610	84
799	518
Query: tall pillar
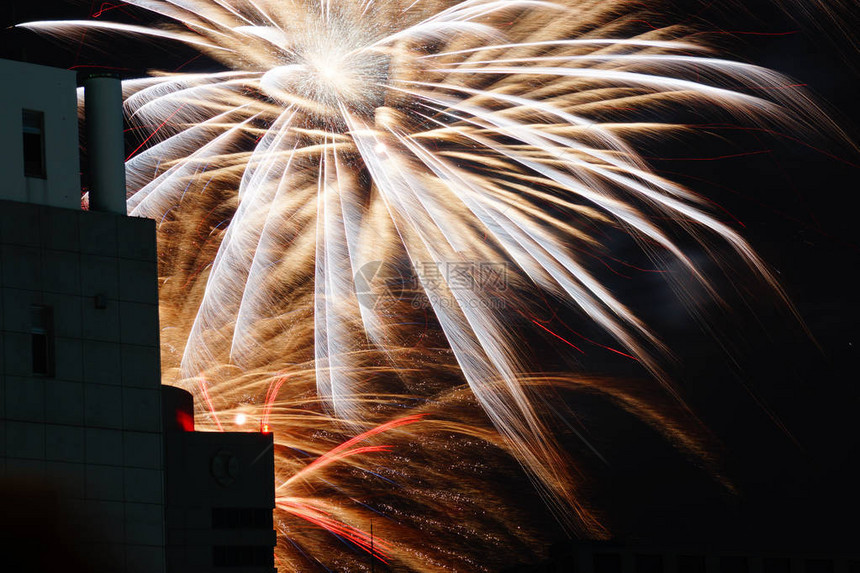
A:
105	142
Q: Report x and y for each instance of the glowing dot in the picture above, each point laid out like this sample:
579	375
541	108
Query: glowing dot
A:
380	148
330	73
241	419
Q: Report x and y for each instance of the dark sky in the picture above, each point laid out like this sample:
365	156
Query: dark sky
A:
784	410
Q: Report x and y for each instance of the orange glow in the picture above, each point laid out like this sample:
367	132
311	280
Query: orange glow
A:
185	421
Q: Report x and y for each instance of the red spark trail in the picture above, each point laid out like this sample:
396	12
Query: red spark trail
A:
330	457
322	519
163	123
106	7
559	337
594	342
271	395
205	391
363	436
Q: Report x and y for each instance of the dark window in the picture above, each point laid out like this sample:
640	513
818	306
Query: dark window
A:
241	518
607	563
853	566
649	564
42	339
34	143
243	556
691	564
777	565
734	564
819	566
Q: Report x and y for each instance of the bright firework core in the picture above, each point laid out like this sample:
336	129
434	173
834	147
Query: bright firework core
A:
422	137
332	64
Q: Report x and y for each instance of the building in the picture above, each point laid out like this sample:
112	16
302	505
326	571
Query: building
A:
39	139
219	494
82	448
80	363
707	557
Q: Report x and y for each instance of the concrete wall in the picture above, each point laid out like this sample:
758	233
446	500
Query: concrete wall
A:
637	557
92	428
51	91
220	474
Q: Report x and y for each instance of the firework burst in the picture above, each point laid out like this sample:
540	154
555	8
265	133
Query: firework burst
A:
452	142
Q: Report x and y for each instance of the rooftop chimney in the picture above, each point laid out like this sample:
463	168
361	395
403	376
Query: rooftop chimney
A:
105	142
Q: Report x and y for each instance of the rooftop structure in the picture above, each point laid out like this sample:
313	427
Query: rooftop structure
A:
83	456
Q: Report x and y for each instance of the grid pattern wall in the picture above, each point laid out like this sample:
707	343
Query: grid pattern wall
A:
90	424
218	517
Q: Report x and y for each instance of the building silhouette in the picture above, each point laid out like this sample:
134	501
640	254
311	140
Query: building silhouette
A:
707	556
219	494
94	477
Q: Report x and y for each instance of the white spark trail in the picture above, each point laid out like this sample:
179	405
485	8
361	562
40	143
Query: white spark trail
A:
336	136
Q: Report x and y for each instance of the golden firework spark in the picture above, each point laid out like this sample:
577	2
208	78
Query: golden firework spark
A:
447	140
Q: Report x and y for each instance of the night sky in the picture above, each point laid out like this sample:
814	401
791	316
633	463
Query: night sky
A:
782	407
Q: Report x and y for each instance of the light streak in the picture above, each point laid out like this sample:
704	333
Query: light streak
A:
416	136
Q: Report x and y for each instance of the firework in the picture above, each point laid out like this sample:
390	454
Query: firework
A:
479	151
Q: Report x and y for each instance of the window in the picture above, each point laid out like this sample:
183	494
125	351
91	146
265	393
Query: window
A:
776	565
241	518
691	564
607	563
734	564
819	566
649	563
42	340
34	143
242	556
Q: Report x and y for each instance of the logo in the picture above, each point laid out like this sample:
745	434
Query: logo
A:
380	285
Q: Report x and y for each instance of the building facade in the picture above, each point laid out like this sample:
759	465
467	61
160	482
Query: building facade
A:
79	369
219	494
581	556
82	440
39	138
